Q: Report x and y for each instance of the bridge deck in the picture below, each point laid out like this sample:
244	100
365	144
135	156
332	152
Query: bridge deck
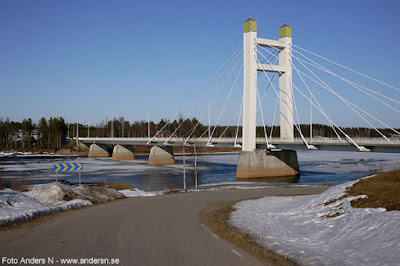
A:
371	144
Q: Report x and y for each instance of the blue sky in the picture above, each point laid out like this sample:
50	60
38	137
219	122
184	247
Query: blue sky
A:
88	60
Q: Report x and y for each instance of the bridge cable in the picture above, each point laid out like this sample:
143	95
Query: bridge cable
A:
310	93
304	140
298	125
198	91
315	99
262	119
211	101
353	84
350	140
223	108
349	104
237	129
183	120
330	72
333	62
320	110
272	83
241	83
273	118
194	128
202	118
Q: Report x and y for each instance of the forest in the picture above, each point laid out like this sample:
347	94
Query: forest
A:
53	133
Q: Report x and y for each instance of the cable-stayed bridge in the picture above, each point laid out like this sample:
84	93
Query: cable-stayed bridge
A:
274	73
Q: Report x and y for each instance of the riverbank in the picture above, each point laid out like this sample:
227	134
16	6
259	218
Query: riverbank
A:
355	222
19	204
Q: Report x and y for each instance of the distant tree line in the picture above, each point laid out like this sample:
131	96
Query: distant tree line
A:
51	134
46	134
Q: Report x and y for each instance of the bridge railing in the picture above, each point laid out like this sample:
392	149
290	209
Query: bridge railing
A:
297	141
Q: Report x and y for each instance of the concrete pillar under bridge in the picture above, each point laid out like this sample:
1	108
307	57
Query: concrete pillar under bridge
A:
123	152
99	150
265	165
270	166
161	155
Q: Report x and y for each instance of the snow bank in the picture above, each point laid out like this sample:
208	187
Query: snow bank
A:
15	206
47	198
52	194
307	229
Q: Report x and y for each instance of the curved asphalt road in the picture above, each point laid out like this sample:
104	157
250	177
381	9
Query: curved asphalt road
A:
162	230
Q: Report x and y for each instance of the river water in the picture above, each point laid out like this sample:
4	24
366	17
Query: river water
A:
316	167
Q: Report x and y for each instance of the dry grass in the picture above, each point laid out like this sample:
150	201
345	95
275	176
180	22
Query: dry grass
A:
20	184
383	190
215	217
116	185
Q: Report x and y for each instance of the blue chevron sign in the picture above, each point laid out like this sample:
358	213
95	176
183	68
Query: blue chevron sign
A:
67	167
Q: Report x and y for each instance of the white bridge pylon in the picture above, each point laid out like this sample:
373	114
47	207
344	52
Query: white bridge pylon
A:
250	68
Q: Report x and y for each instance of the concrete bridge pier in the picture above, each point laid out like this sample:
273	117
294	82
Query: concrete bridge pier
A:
161	155
270	166
123	152
99	150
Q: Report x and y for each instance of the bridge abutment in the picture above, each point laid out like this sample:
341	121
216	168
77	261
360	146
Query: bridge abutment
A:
161	155
99	150
123	152
271	166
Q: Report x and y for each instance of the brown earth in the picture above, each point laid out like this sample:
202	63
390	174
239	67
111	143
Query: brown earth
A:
383	191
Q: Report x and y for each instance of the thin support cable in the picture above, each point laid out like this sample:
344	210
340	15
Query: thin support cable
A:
262	118
315	99
298	125
273	118
330	72
351	105
238	123
350	140
223	108
353	84
347	137
333	62
201	89
211	101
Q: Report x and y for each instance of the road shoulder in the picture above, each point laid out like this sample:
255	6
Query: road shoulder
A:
216	215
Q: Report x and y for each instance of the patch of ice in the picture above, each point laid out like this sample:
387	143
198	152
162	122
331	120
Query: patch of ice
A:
139	193
300	228
347	162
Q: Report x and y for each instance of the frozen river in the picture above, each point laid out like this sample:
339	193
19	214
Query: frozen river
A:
316	167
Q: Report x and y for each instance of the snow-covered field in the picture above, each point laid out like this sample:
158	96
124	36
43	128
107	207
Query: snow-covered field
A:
300	228
46	198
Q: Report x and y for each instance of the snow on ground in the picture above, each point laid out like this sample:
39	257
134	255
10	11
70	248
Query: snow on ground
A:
15	206
46	198
140	193
299	227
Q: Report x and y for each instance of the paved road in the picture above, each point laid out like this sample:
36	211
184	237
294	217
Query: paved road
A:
162	230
